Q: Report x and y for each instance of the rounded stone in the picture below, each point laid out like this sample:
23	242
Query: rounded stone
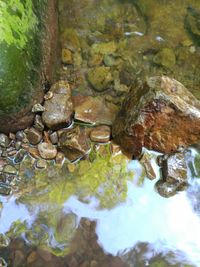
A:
100	134
47	150
33	136
4	140
41	164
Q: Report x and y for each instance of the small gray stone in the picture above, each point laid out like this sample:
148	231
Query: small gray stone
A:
33	136
38	108
20	135
54	138
47	151
4	140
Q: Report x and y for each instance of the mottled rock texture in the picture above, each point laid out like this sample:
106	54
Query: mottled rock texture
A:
160	114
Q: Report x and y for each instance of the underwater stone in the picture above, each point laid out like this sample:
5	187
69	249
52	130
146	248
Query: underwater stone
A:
74	143
165	57
4	140
94	110
160	114
100	134
100	78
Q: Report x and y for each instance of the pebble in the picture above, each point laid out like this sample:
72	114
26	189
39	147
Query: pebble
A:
38	124
20	156
9	169
20	135
67	56
18	145
47	151
33	151
60	157
100	134
48	95
33	136
41	164
4	140
54	138
38	108
12	136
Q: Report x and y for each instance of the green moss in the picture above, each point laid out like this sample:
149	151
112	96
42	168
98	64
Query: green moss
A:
21	33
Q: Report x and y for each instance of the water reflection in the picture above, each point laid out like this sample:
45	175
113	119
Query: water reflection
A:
144	224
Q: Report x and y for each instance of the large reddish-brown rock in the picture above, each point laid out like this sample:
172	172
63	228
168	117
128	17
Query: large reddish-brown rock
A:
160	114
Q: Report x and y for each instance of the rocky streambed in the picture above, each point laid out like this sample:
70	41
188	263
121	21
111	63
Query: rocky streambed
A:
126	82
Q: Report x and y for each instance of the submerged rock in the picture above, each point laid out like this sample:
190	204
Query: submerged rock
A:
74	143
160	114
100	78
58	109
94	110
100	134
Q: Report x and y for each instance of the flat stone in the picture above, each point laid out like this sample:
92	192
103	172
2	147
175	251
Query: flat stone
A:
160	114
100	134
9	169
4	140
74	143
33	136
47	151
59	109
94	110
100	78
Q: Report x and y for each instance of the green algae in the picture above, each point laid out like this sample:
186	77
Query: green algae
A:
21	33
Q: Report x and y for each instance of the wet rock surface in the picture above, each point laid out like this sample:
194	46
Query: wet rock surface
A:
47	150
74	143
94	110
173	173
59	108
156	115
100	134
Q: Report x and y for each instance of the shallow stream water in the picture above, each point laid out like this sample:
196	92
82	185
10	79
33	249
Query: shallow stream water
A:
107	213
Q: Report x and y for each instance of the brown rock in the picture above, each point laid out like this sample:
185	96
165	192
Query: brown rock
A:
74	143
100	134
67	56
160	115
47	151
33	136
94	110
58	109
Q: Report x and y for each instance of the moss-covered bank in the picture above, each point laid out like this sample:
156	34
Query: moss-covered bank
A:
25	33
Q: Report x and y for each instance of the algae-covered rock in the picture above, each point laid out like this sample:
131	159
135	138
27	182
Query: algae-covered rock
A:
165	57
25	51
160	114
100	78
